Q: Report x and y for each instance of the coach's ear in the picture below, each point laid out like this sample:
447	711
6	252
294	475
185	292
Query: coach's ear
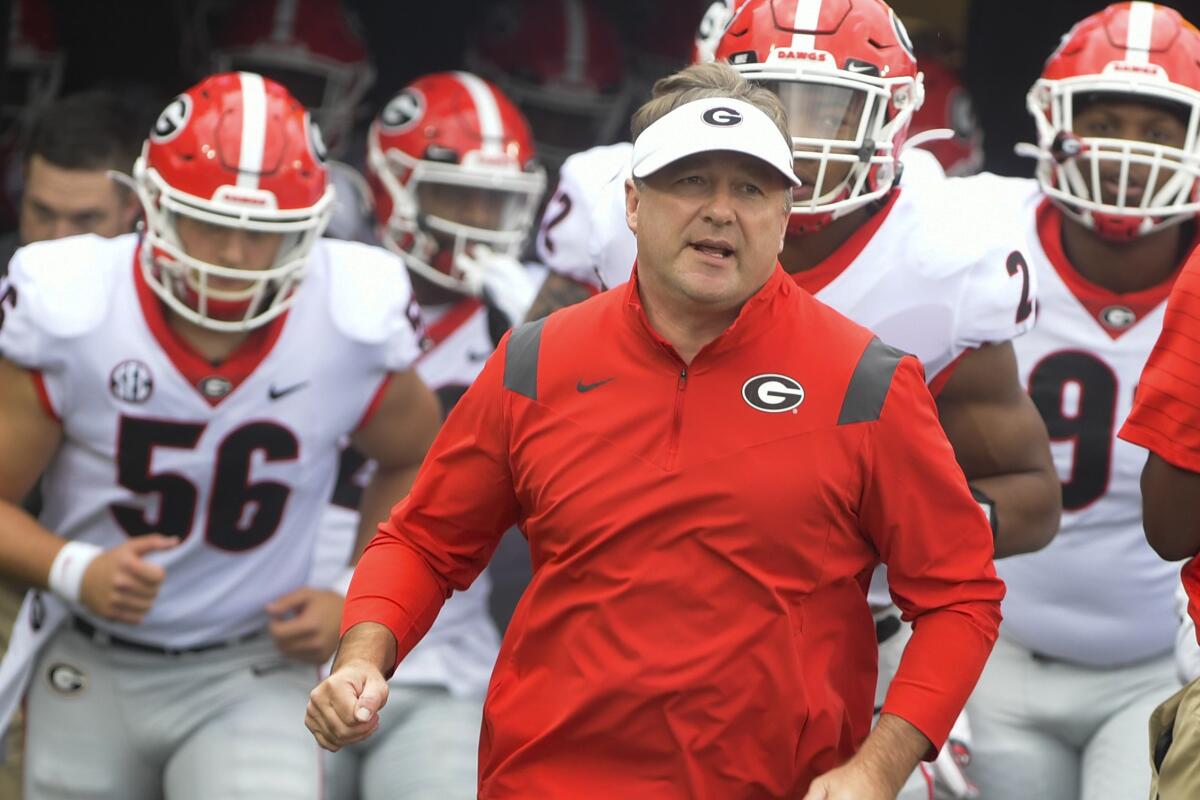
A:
632	199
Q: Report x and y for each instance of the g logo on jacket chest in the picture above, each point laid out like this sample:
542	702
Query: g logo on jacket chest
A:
772	393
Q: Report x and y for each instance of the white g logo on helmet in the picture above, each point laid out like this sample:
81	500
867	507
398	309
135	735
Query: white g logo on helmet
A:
173	119
403	111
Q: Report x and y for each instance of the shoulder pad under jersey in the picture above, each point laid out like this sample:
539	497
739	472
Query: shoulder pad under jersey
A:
973	241
371	299
58	290
568	241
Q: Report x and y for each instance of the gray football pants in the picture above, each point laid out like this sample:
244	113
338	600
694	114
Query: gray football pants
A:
113	723
1052	730
426	748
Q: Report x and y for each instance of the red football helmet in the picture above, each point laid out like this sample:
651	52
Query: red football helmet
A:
450	161
236	151
846	73
947	106
712	27
561	62
311	47
1129	51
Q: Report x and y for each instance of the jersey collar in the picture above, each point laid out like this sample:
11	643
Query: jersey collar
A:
1115	313
815	279
752	321
212	382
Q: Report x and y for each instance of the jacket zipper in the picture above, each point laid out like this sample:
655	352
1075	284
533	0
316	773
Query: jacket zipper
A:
676	420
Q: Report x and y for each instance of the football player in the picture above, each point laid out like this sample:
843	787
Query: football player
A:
183	392
1085	650
451	164
561	62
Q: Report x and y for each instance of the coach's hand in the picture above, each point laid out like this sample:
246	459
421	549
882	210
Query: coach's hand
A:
344	708
120	584
304	624
849	782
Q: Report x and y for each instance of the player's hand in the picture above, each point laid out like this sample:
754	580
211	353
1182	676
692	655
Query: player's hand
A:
850	781
501	281
344	708
120	584
304	624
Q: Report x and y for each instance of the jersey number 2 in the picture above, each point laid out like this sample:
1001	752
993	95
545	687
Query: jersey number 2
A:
1014	264
1089	424
241	515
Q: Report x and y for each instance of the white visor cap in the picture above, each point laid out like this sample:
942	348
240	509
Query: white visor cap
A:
715	123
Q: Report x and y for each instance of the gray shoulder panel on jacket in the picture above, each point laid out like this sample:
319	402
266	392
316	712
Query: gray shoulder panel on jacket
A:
869	384
521	359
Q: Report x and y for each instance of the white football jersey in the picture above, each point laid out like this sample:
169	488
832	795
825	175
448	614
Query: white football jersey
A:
934	273
460	649
1097	594
236	460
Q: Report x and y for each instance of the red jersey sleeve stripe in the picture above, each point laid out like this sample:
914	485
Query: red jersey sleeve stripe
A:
376	399
39	385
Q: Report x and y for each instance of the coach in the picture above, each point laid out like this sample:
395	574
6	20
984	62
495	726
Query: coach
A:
708	463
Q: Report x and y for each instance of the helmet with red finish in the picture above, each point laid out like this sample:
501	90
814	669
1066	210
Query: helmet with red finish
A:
312	47
712	27
450	161
948	106
846	73
561	62
235	154
1121	184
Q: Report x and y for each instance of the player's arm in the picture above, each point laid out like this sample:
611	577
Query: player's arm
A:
304	623
1001	444
115	583
29	437
1171	508
558	291
397	436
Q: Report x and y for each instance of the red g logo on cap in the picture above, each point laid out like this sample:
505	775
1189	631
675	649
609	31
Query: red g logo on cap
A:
722	117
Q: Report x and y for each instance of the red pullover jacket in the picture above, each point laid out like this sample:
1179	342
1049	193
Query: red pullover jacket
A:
702	539
1165	418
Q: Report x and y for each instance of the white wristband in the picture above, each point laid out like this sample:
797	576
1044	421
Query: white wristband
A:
341	584
66	573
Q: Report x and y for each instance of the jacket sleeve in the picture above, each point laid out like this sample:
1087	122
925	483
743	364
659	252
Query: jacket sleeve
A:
1166	411
938	548
442	535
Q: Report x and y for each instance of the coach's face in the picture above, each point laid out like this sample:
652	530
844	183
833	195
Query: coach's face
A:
709	229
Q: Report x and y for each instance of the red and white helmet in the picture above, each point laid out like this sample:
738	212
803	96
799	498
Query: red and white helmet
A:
1129	51
561	62
948	106
235	150
712	27
846	73
310	46
450	161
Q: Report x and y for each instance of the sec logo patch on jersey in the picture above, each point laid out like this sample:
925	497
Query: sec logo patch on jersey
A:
131	381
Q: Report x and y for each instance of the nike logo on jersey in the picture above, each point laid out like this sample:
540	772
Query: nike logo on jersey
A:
580	386
478	355
275	394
